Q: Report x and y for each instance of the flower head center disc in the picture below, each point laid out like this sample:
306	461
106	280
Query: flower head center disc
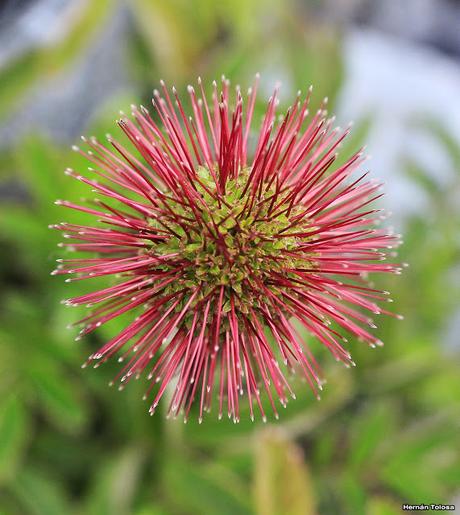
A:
238	240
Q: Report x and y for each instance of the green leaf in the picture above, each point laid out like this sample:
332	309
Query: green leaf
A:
428	448
352	492
39	494
13	436
113	489
382	506
59	397
368	430
282	483
39	164
151	510
194	488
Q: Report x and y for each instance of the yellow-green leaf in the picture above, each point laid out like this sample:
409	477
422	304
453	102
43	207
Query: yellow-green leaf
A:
282	483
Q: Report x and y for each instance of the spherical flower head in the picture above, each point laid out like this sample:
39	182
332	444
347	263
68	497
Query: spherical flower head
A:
216	250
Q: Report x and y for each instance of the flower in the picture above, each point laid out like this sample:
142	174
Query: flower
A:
216	253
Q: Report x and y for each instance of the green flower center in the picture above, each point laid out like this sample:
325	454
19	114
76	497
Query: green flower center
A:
237	242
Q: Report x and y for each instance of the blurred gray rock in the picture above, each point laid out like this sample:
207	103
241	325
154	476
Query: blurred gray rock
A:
401	85
436	22
61	106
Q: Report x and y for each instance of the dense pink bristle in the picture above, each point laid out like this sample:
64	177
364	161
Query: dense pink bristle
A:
204	345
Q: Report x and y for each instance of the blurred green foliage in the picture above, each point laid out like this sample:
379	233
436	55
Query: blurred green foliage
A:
383	434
